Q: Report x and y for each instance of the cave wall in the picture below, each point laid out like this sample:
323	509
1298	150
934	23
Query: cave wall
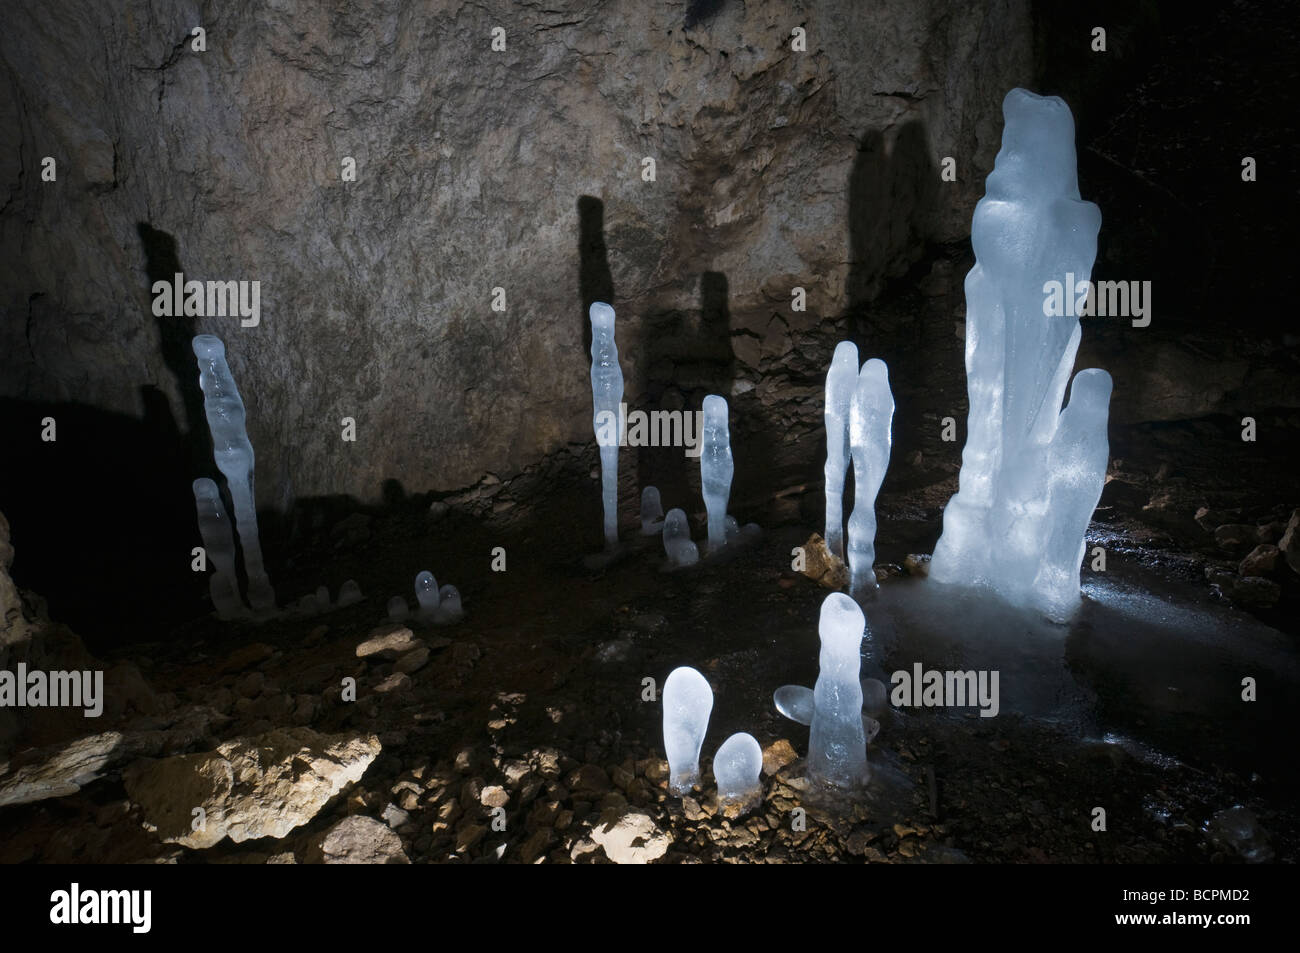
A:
476	169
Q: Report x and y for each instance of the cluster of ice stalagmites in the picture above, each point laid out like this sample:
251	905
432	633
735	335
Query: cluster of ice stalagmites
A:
234	458
1031	473
439	605
859	415
688	702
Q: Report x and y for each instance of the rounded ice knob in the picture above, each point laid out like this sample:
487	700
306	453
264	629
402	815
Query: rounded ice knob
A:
449	608
350	593
688	700
426	593
652	512
398	610
737	766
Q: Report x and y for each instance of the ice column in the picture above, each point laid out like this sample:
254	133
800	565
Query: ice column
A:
837	741
736	767
688	700
219	544
870	418
234	457
841	383
1029	230
716	468
606	396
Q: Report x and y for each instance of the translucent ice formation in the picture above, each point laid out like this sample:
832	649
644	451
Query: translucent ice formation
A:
837	742
449	608
322	599
1076	465
426	594
716	468
1016	524
736	767
398	610
688	700
234	457
797	703
219	544
606	395
677	540
841	384
349	594
652	512
871	416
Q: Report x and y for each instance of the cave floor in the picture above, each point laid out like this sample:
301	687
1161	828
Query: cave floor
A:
1134	708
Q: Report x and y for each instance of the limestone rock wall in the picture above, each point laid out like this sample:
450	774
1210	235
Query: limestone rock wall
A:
476	169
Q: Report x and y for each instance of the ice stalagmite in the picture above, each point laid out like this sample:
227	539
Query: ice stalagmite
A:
677	540
737	767
426	594
841	383
449	607
837	741
871	416
234	457
1016	524
716	468
219	544
606	396
652	512
688	700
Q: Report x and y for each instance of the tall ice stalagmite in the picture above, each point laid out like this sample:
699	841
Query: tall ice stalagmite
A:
1030	474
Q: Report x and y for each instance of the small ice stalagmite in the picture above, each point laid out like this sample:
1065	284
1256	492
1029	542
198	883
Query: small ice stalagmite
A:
837	741
606	396
716	468
449	608
234	456
652	512
871	417
841	384
677	540
688	700
219	544
1076	463
426	594
349	593
322	599
737	767
398	610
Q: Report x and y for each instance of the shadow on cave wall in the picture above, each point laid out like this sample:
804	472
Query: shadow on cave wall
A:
894	192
